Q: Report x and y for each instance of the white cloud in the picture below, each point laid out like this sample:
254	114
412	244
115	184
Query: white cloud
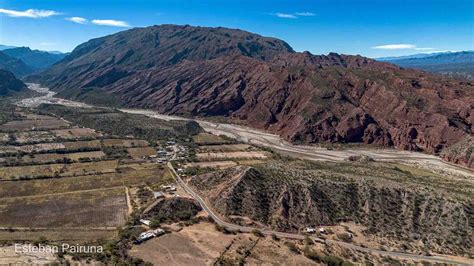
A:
29	13
285	15
110	22
78	20
305	14
403	46
394	46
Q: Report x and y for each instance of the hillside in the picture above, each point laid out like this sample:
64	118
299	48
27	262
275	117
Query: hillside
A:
263	83
421	209
17	67
9	83
454	63
34	58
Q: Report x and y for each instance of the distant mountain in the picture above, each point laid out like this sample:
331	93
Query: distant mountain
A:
263	83
452	63
36	59
16	66
3	47
9	83
413	56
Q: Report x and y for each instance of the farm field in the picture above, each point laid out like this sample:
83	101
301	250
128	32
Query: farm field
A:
225	148
31	125
44	158
76	133
95	208
218	164
218	156
138	153
28	188
66	182
127	143
209	139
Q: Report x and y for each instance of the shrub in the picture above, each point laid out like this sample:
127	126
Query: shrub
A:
292	247
257	233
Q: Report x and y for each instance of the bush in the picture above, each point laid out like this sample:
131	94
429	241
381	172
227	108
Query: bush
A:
292	247
275	237
257	233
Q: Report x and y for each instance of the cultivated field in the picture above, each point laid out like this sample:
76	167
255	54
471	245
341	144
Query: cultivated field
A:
209	139
138	153
66	182
94	208
31	125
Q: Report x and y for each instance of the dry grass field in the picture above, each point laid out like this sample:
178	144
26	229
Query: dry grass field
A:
127	177
217	164
138	153
33	136
90	144
76	133
126	143
26	125
54	157
95	208
58	170
209	139
225	148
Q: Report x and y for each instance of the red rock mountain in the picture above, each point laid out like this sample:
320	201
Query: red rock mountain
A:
263	83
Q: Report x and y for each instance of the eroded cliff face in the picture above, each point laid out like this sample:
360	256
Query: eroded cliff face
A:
461	153
263	83
289	200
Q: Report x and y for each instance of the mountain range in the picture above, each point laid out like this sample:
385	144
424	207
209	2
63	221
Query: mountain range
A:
263	83
23	61
457	64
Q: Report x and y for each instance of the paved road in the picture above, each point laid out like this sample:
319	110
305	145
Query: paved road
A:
248	229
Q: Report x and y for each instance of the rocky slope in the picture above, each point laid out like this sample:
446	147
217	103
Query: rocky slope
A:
9	83
262	82
288	196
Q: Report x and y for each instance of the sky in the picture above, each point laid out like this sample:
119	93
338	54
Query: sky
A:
372	28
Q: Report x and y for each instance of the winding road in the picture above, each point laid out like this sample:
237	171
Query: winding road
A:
247	229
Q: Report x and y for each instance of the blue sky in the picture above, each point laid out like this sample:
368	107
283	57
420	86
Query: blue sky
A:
371	28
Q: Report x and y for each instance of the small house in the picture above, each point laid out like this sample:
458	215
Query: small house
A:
145	222
158	195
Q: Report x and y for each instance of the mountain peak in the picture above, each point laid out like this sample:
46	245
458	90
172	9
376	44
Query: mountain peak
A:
163	45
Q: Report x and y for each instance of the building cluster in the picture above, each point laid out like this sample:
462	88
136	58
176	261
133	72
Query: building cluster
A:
149	235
